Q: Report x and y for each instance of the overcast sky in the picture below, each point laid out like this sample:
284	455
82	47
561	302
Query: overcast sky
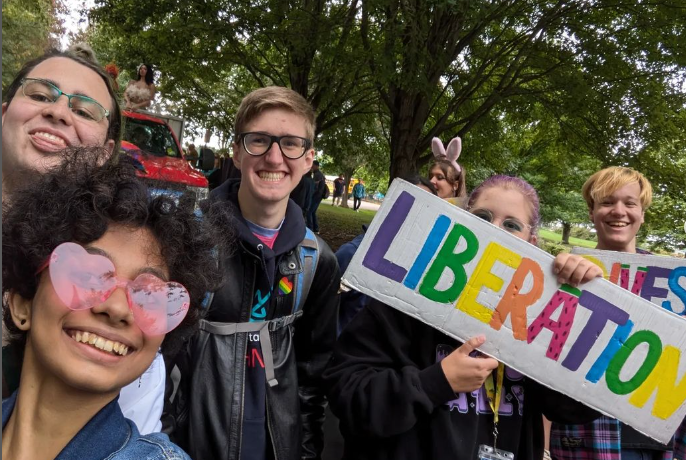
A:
73	22
73	17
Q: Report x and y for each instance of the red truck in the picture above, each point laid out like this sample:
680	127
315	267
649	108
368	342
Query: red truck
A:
156	146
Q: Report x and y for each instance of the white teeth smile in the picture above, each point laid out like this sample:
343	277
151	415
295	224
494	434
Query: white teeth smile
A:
271	176
100	343
617	224
51	137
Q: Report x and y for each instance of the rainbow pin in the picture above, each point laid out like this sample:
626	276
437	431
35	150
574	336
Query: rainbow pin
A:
285	286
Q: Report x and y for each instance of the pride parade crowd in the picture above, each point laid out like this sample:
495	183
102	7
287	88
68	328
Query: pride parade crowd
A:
136	329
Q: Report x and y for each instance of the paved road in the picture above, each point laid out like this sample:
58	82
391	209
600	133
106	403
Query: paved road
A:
365	204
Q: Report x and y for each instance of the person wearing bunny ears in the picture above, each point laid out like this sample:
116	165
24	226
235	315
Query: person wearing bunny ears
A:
403	390
446	174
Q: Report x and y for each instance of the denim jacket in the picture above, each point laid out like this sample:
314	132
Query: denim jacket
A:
110	436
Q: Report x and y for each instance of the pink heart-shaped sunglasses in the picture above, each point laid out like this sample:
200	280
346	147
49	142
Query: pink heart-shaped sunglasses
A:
82	281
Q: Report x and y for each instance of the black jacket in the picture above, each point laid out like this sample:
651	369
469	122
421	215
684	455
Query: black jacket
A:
302	193
206	414
386	385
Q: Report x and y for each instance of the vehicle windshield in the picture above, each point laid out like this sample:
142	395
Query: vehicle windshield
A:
151	137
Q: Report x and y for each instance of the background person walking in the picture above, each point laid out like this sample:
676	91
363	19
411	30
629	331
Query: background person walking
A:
338	187
358	194
317	196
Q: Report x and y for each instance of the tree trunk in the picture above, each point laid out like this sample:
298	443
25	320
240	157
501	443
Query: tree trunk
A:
347	177
566	231
406	130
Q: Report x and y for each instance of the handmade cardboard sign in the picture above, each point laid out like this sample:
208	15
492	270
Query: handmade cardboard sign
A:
599	344
658	279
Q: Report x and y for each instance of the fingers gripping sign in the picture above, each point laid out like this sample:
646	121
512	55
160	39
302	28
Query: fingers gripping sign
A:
574	270
464	372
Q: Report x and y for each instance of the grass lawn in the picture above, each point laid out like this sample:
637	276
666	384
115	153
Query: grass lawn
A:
557	237
339	225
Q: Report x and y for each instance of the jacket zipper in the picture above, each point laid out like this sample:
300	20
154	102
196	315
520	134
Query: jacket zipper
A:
269	426
240	438
270	431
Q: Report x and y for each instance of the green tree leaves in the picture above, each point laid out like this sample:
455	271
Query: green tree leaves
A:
550	90
26	33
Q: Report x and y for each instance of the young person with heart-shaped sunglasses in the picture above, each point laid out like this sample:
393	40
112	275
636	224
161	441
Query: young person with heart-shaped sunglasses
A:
96	276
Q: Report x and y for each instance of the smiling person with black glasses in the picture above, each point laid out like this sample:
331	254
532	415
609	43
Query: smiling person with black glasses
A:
250	379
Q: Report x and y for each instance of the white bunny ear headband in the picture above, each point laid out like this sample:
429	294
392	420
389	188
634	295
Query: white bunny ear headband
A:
451	154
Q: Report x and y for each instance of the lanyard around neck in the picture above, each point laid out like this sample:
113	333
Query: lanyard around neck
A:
494	391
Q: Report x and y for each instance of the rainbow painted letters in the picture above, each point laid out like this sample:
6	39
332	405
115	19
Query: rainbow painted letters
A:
661	280
598	343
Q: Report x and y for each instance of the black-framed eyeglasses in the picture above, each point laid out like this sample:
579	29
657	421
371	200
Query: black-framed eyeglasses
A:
43	91
257	144
510	224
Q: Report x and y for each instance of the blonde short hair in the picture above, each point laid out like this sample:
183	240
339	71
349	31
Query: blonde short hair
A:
274	97
606	181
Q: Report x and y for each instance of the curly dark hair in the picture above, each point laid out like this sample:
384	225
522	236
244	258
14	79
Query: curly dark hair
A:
77	202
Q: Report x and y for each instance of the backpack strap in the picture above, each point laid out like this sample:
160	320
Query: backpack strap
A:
308	250
261	327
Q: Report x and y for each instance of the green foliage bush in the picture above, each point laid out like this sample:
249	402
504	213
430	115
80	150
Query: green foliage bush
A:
552	247
26	27
584	233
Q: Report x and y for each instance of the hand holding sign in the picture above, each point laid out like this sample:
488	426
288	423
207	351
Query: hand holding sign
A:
466	373
598	343
573	269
